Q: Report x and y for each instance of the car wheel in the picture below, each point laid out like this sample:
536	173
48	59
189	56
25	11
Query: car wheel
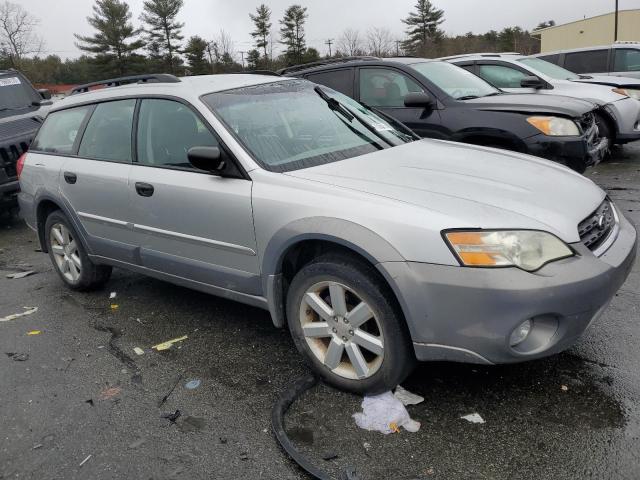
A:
69	257
346	323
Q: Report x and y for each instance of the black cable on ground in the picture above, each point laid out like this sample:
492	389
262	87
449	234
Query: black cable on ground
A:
286	399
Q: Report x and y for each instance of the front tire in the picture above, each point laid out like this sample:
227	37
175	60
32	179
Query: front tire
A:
69	257
347	325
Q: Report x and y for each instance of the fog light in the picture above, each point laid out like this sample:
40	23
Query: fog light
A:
521	333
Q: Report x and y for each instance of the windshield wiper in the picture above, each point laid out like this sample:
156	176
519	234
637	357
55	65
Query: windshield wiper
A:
346	112
583	77
493	94
468	97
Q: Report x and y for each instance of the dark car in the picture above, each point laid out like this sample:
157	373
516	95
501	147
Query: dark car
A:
22	109
439	100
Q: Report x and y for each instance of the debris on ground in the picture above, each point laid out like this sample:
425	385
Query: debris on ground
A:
28	311
473	418
18	357
192	385
31	333
191	424
330	456
110	392
173	387
138	351
168	344
16	276
115	306
385	414
112	295
137	443
85	460
564	388
172	416
406	397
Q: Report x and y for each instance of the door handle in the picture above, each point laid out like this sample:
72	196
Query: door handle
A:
70	177
144	189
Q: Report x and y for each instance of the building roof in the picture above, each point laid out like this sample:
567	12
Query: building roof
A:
536	32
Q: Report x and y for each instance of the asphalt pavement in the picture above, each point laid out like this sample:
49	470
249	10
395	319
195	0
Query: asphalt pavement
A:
77	402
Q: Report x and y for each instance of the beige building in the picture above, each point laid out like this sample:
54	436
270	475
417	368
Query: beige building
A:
591	31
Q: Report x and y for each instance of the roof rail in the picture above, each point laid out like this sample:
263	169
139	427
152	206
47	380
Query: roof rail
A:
329	61
116	82
626	42
257	72
481	54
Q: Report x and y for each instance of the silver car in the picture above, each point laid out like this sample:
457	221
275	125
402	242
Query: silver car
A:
376	248
618	117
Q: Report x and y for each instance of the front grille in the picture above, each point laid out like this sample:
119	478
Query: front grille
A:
596	228
9	155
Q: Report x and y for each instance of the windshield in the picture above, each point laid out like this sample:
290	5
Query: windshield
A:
549	69
15	93
289	125
455	81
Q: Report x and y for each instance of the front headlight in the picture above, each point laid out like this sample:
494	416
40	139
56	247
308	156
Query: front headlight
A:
525	249
555	126
629	92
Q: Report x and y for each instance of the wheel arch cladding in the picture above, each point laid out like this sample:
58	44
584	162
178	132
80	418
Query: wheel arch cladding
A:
45	207
302	240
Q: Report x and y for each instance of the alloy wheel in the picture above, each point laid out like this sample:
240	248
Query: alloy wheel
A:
342	330
65	252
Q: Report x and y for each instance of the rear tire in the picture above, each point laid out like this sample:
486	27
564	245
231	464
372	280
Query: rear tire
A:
69	257
346	324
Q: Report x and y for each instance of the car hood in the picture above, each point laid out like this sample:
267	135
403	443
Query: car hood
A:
532	103
626	82
464	186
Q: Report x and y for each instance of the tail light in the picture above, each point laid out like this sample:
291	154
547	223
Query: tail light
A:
20	164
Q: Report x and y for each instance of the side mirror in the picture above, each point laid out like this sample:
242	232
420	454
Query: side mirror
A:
207	158
45	93
418	100
532	82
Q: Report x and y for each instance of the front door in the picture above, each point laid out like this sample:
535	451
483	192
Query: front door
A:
188	222
95	181
385	88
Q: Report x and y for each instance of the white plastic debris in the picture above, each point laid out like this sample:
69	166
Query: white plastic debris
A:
385	414
138	350
28	311
473	418
406	397
16	276
112	296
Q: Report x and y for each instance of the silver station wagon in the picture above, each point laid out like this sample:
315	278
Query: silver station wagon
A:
376	248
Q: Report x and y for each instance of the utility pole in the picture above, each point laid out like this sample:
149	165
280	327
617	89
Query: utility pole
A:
329	42
397	48
615	35
242	55
210	56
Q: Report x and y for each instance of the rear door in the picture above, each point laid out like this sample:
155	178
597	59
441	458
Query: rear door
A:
188	222
385	88
626	62
94	182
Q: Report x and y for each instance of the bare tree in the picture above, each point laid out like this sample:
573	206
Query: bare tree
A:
350	43
226	45
17	37
380	42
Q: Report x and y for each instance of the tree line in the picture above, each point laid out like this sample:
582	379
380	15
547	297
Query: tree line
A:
118	47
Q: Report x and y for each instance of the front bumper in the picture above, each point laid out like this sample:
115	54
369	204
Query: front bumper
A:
626	113
9	194
468	314
573	151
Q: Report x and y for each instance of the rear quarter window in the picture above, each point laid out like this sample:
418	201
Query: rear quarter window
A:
60	130
591	61
339	80
551	58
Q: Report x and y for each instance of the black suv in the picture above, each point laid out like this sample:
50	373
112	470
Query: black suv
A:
22	109
439	100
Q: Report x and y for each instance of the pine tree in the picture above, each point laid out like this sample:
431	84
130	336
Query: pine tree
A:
196	51
160	16
114	42
292	32
262	22
253	59
422	26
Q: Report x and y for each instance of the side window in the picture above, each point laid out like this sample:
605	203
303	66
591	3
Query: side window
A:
501	76
592	61
626	60
166	132
340	80
59	131
551	58
382	87
108	133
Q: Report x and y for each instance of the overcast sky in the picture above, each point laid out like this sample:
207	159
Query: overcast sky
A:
59	19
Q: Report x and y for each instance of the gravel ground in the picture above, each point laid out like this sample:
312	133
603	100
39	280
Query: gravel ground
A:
77	392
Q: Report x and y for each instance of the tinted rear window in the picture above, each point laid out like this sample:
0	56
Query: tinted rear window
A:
592	61
339	80
551	58
59	131
15	93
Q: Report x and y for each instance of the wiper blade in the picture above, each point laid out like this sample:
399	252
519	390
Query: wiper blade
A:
334	104
468	97
584	77
346	112
493	94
